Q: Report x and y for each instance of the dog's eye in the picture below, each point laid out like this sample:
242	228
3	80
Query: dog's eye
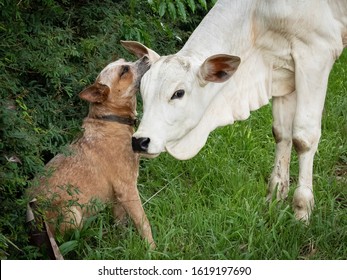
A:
125	69
178	94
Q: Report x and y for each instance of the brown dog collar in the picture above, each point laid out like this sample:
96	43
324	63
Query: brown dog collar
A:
118	119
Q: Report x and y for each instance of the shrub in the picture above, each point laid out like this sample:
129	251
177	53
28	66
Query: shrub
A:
50	50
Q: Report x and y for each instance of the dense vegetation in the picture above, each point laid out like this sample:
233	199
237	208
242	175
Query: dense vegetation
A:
50	50
209	207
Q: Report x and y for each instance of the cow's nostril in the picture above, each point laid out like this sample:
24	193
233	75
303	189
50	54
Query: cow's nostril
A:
140	144
144	143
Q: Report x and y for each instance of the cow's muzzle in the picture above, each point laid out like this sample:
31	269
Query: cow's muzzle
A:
140	145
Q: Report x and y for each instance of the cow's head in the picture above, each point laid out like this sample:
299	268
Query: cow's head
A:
176	92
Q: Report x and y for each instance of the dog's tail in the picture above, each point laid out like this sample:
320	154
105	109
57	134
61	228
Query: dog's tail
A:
40	234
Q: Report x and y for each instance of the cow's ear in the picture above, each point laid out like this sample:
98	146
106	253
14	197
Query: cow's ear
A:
140	50
96	93
219	68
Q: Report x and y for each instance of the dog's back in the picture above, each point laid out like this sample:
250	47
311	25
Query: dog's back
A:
101	159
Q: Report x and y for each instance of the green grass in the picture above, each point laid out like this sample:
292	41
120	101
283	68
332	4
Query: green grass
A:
213	206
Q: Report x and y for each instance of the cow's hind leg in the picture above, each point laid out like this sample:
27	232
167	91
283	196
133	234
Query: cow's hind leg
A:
283	110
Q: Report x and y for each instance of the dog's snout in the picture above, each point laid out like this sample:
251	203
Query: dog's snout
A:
140	144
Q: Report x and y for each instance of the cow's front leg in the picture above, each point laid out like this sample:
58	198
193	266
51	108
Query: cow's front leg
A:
283	110
311	79
306	137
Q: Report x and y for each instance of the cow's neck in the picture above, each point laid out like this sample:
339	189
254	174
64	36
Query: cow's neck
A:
223	30
249	88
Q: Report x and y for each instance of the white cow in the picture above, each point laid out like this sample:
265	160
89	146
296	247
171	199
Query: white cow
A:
281	49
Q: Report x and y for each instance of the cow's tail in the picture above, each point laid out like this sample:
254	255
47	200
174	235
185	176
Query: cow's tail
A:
40	233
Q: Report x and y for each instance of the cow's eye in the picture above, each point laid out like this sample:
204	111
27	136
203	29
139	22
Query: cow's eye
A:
125	69
178	94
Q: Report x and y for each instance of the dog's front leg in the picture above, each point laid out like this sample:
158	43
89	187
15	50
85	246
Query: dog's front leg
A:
129	198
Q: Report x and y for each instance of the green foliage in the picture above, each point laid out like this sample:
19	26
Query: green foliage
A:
179	9
50	50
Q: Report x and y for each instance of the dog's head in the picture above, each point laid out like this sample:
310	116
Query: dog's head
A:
114	90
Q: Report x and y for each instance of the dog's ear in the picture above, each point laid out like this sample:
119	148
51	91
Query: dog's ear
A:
96	93
140	50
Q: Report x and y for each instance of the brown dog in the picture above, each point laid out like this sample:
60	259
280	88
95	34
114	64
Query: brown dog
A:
101	164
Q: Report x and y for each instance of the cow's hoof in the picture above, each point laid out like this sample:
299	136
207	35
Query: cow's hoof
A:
303	203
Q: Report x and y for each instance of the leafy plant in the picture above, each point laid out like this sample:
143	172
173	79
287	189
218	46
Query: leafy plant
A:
50	50
179	9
